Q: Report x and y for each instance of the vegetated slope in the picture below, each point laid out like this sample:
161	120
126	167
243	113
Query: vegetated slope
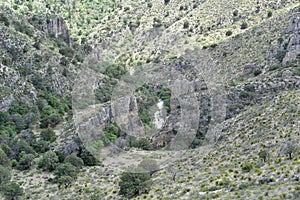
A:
235	167
255	44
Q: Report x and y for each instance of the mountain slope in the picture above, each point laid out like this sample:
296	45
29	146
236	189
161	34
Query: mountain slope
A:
56	52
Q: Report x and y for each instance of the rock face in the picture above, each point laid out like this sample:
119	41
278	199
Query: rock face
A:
125	112
292	45
57	27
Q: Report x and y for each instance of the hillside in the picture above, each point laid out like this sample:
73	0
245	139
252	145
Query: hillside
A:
195	99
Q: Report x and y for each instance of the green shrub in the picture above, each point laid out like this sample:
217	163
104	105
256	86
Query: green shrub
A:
41	146
25	162
257	72
88	158
60	156
74	160
235	13
111	132
263	154
48	135
247	167
186	24
290	149
270	13
5	175
49	161
166	1
11	190
133	184
67	51
281	54
244	25
18	107
228	33
14	163
142	143
245	94
50	121
157	22
4	19
149	165
66	169
4	160
19	146
65	180
266	181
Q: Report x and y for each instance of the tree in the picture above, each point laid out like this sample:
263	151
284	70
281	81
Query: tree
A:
48	135
142	143
18	146
11	190
49	161
5	175
65	180
66	169
25	162
290	149
263	154
74	160
41	146
149	165
133	184
88	158
4	160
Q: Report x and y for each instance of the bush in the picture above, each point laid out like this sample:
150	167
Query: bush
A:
5	175
74	160
18	107
270	13
51	120
47	113
167	1
133	184
19	122
186	25
290	149
66	169
65	180
4	160
263	154
246	167
281	54
25	162
60	156
245	94
49	161
228	33
257	72
19	146
142	143
11	190
149	165
4	19
244	25
66	51
235	13
48	135
88	158
41	146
